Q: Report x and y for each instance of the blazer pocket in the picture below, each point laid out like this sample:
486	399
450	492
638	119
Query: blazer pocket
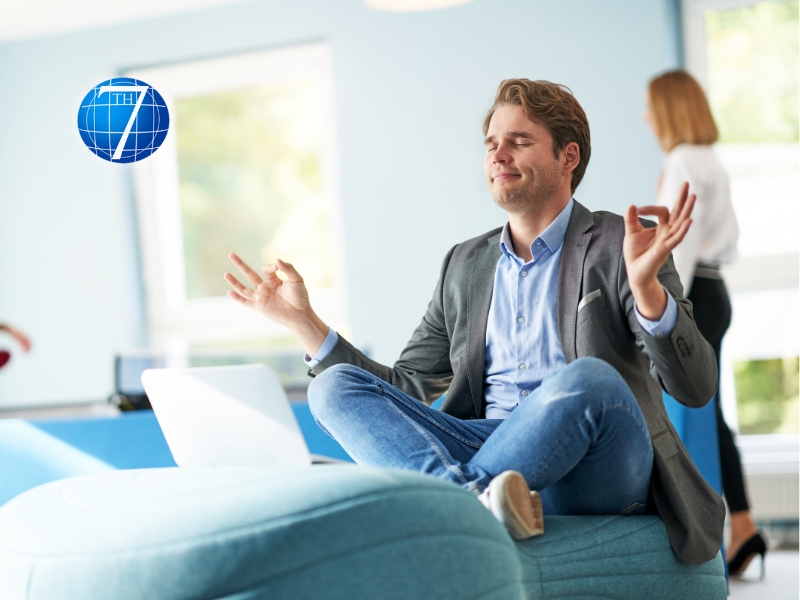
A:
591	304
588	298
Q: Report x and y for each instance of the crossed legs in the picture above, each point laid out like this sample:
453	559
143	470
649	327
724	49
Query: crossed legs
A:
580	438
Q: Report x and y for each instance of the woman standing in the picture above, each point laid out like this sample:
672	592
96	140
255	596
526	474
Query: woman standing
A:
680	117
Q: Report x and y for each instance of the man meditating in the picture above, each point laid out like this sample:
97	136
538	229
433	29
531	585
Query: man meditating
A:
552	338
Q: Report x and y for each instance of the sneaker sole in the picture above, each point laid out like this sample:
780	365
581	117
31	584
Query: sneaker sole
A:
519	509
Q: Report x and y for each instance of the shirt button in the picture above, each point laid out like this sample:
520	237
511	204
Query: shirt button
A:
524	392
521	319
523	367
524	273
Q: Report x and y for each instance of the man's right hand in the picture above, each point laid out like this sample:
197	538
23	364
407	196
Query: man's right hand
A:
283	301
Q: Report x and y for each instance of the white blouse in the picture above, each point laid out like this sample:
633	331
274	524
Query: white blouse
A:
713	234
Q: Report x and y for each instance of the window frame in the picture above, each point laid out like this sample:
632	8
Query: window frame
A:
748	273
175	322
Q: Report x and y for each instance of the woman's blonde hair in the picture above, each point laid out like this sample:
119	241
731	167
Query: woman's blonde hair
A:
680	111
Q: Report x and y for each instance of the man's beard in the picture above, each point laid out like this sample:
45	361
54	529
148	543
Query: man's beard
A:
535	195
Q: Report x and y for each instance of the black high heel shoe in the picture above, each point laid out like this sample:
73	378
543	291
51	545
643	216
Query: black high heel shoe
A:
754	545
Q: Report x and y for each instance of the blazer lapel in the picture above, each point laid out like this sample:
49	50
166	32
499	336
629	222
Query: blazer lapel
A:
570	276
479	298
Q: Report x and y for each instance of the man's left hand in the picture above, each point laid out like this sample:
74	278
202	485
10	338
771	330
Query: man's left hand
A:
646	249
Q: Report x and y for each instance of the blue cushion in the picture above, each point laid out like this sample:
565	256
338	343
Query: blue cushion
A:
337	532
31	457
37	452
697	428
131	440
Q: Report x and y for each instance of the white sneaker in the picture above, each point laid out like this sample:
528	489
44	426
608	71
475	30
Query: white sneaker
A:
511	501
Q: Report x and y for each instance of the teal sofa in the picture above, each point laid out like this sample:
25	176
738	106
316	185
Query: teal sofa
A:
323	532
326	532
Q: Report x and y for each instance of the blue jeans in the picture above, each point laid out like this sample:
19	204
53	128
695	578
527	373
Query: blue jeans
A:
580	439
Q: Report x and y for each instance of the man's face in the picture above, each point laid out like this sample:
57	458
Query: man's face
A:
520	168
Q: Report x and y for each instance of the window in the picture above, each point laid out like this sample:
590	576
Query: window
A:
746	55
752	57
248	167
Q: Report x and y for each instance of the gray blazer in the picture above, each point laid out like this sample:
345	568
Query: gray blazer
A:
595	318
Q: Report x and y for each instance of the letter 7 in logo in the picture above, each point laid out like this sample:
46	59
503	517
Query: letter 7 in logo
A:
142	90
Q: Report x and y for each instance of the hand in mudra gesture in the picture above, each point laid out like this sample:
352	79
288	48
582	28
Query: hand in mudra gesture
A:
646	249
283	301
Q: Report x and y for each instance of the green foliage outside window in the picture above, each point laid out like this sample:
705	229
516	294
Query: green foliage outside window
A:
752	56
250	173
767	395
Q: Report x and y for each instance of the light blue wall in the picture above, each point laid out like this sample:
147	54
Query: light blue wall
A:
411	92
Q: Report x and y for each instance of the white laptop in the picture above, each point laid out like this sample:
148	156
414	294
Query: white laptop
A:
226	416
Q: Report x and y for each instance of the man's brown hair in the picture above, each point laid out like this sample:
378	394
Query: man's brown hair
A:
552	106
680	111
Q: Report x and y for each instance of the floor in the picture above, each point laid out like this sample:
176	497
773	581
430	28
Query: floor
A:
782	568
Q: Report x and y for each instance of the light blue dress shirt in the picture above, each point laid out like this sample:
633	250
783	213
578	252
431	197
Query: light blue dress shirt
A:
522	345
324	350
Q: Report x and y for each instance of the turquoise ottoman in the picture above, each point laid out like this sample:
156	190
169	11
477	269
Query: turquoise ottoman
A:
327	532
613	557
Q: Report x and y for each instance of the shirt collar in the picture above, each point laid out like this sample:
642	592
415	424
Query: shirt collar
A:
553	236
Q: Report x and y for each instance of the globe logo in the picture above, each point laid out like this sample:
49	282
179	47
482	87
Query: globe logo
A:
123	120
